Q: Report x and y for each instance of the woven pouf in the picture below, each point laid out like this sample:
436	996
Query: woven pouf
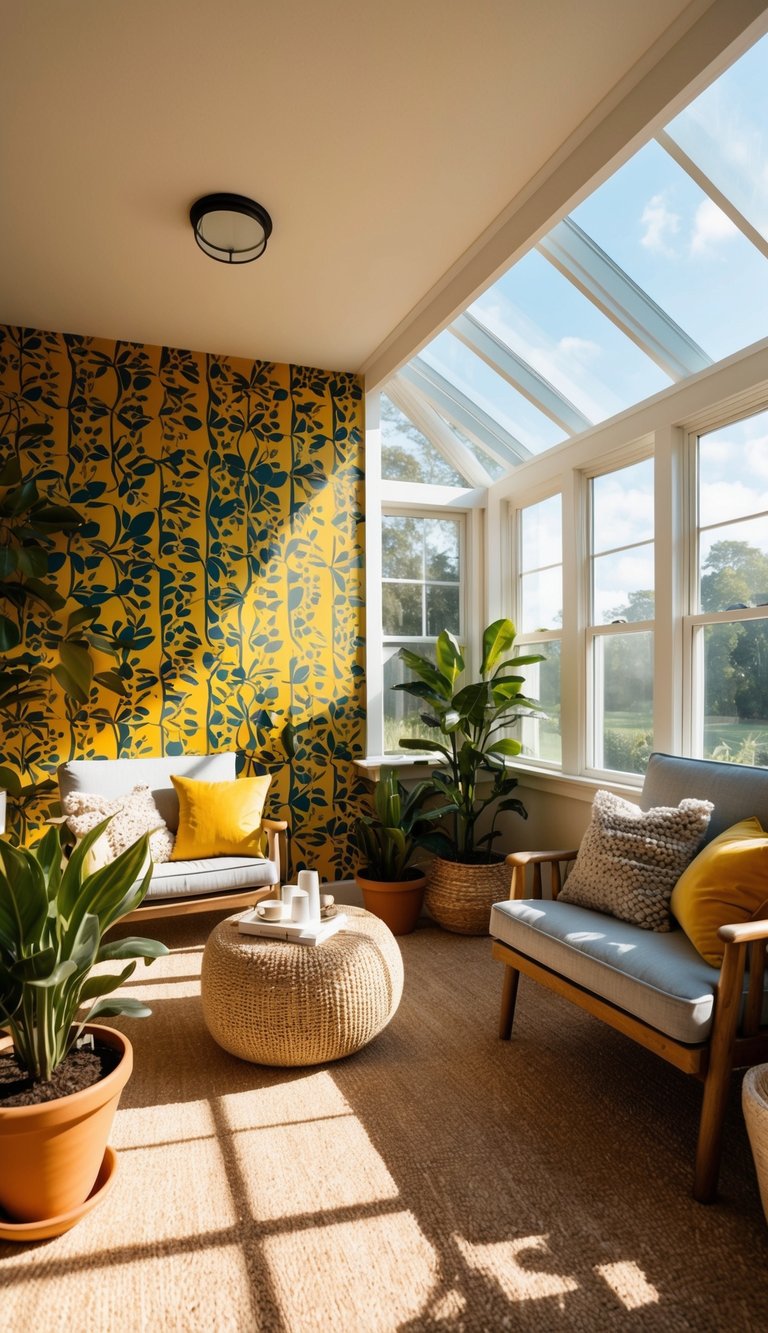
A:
279	1003
459	897
754	1101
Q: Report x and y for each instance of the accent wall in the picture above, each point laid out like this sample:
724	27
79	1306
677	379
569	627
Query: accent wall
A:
223	548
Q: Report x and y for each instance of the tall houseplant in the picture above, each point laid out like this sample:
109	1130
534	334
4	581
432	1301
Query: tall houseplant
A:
466	722
53	917
391	842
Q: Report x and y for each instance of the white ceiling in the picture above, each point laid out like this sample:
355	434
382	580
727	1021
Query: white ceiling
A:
384	138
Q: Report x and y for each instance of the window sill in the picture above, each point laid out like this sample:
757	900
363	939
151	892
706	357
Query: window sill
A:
579	788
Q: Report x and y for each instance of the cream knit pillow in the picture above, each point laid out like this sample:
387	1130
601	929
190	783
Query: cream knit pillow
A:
133	815
630	859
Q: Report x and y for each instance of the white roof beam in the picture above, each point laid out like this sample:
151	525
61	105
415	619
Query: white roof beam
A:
582	262
519	373
471	419
426	420
705	183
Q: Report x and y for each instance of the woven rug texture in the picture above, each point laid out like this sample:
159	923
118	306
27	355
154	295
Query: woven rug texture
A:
439	1179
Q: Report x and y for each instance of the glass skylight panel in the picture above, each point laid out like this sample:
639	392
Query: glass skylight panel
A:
725	132
682	250
548	322
492	465
492	393
407	454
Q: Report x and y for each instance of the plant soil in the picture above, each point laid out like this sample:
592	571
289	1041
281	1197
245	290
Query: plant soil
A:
78	1070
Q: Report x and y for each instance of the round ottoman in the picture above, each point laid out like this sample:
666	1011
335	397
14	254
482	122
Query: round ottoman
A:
279	1003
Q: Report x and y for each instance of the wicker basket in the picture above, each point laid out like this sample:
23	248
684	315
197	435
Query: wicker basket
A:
460	897
754	1100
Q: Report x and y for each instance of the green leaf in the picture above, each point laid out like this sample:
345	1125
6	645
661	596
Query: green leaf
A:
76	659
23	899
498	638
104	983
132	946
111	680
450	662
10	781
505	746
429	747
46	593
58	518
427	672
20	499
34	430
9	634
32	560
82	616
111	1008
10	472
8	561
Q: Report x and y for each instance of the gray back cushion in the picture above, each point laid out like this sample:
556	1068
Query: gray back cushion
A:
737	791
115	777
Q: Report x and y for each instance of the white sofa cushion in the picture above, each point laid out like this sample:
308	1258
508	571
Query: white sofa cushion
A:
188	879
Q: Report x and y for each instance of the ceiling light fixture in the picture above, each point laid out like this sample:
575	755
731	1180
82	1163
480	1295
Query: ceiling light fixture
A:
230	228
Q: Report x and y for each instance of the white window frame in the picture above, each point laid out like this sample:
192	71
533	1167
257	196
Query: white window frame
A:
534	639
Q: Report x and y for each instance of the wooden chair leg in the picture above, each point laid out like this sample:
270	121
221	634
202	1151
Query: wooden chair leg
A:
508	998
717	1081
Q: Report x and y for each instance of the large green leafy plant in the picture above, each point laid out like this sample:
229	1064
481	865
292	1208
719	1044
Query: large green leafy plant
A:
391	840
53	918
469	721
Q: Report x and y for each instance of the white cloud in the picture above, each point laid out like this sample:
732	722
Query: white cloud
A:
582	348
661	225
710	228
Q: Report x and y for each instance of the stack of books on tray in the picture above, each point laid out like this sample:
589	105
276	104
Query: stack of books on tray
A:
298	932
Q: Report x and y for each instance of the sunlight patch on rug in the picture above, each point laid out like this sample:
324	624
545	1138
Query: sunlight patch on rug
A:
290	1099
513	1264
381	1268
628	1282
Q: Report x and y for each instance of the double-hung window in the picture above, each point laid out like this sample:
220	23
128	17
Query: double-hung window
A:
621	619
728	628
422	594
540	622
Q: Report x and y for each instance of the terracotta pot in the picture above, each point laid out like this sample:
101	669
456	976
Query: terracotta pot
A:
397	904
460	896
51	1154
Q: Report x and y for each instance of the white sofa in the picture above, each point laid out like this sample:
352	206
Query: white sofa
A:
183	886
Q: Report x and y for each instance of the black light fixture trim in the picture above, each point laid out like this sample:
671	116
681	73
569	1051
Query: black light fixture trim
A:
231	203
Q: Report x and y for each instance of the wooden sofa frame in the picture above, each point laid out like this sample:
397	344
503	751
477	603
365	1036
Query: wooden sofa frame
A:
731	1045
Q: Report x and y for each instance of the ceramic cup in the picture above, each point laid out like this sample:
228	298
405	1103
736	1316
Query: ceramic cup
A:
286	893
300	906
271	909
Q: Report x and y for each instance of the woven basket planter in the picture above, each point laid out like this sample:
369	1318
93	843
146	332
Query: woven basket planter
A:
754	1100
460	897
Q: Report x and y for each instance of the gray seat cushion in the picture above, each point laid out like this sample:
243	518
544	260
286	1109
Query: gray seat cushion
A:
201	879
660	978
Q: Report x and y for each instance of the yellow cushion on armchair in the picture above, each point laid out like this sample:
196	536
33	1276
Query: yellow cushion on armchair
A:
725	885
219	818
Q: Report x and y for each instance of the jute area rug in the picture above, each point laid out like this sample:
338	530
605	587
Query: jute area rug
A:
438	1179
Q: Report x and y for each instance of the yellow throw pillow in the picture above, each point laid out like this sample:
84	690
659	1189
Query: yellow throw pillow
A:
725	884
219	818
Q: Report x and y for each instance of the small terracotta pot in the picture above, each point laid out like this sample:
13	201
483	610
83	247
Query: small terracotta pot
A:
397	904
50	1154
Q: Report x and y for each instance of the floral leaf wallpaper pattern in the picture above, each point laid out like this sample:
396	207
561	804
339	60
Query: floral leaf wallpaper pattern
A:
223	547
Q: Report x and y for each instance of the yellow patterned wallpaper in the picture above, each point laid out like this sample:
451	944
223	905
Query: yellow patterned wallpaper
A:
223	547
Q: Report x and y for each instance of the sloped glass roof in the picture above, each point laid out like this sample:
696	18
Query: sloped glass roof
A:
661	272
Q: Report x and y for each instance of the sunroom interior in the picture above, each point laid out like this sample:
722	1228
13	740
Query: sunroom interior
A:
505	355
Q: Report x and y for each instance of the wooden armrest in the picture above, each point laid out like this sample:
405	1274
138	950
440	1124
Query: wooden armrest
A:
273	828
744	932
274	825
541	858
520	860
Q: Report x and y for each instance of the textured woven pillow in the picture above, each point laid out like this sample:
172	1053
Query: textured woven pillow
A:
726	884
630	859
133	814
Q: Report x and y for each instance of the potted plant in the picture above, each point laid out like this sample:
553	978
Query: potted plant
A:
468	876
390	843
61	1076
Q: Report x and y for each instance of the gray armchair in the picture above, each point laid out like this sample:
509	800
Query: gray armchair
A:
652	986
